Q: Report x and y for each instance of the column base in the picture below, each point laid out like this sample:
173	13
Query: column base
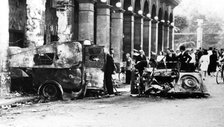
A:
5	83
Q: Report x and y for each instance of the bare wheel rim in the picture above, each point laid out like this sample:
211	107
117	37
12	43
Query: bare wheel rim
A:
50	91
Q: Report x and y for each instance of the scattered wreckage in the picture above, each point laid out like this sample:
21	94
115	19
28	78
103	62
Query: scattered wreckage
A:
166	82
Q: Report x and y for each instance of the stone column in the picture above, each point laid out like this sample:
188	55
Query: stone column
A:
66	22
51	23
138	34
166	36
128	32
154	38
103	25
35	26
86	20
147	37
161	37
117	35
4	41
171	37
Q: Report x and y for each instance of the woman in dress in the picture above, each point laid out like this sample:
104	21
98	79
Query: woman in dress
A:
213	63
203	63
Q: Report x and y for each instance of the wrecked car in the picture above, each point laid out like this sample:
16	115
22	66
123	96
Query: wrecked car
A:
169	81
60	67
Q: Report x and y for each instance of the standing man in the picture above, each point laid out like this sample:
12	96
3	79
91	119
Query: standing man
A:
192	63
209	53
110	68
128	68
184	58
141	56
198	55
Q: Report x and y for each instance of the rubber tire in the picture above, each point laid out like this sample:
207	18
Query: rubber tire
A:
81	93
191	87
51	91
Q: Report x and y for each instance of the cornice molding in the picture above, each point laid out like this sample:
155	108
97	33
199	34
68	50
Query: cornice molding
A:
86	1
101	5
117	10
174	2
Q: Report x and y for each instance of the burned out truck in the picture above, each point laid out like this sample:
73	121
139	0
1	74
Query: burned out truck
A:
59	67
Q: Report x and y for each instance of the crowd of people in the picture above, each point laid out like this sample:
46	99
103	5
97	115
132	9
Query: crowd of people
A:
205	61
208	60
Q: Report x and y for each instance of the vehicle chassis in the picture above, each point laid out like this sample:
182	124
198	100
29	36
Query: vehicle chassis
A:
164	82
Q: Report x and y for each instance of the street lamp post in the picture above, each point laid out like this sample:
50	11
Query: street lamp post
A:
199	33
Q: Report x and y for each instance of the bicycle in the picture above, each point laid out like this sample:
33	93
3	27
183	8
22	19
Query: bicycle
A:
220	74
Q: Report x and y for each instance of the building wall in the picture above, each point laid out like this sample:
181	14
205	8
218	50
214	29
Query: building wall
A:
17	22
64	23
37	22
51	22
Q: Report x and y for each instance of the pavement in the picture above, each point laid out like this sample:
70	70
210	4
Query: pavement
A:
5	101
17	98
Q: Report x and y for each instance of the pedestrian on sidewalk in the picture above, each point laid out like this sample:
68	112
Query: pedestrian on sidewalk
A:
184	58
213	63
128	68
203	63
110	69
192	63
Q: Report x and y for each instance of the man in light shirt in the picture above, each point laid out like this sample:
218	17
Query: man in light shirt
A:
210	51
192	63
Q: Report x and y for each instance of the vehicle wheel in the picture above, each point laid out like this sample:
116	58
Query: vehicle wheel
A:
50	91
219	77
135	80
189	83
81	93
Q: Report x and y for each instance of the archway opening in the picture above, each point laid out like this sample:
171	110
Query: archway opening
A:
160	31
76	20
138	26
17	21
153	11
166	31
127	3
171	41
171	18
127	28
146	29
154	31
137	7
146	8
166	18
114	2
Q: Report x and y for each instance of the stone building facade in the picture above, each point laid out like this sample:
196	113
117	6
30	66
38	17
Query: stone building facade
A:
120	24
123	25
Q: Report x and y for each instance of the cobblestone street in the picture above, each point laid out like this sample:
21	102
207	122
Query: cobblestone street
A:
123	111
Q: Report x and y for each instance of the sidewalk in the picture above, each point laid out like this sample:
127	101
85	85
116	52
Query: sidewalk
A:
12	100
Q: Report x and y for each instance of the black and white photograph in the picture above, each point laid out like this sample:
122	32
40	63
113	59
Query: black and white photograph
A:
112	63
